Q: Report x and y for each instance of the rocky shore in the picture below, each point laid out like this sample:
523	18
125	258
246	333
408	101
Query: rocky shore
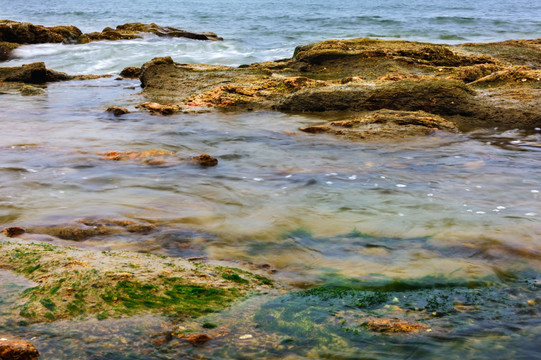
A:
14	34
471	85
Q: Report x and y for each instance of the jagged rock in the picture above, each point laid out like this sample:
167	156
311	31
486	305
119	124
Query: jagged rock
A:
131	72
18	350
35	73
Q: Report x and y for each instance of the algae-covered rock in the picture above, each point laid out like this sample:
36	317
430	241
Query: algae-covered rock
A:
75	283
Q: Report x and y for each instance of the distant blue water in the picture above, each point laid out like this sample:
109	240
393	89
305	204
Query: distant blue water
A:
257	30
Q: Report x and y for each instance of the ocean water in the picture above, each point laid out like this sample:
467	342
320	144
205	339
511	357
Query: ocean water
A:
458	208
260	30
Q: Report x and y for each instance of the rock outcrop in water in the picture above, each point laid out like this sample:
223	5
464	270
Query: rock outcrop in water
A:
14	34
35	73
470	85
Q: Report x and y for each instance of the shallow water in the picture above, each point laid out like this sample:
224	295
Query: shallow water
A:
458	212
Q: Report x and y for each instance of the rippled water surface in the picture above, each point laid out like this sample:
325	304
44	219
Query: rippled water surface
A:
434	222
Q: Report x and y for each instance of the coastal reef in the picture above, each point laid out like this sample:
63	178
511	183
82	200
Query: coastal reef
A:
14	34
465	86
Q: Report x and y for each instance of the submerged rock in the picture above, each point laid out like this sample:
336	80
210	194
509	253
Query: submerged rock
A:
395	326
14	231
205	160
28	90
386	124
117	110
18	350
149	157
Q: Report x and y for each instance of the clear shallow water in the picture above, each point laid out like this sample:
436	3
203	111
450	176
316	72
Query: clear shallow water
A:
259	30
446	210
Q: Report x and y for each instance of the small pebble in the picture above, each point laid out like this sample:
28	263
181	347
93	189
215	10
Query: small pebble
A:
245	337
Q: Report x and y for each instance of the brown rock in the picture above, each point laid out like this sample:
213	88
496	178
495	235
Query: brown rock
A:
386	124
27	33
161	109
205	160
131	31
18	350
13	231
6	48
117	110
149	157
395	326
35	73
131	72
198	339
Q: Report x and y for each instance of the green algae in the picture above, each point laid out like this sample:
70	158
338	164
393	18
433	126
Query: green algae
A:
70	287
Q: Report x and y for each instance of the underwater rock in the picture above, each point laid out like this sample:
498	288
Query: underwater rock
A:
148	157
205	160
386	124
117	110
198	339
395	326
28	90
18	350
131	72
35	73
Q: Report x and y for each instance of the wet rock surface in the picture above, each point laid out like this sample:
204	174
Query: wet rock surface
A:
14	34
471	85
35	73
17	350
130	31
386	124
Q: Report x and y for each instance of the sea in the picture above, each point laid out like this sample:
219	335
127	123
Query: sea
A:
446	212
